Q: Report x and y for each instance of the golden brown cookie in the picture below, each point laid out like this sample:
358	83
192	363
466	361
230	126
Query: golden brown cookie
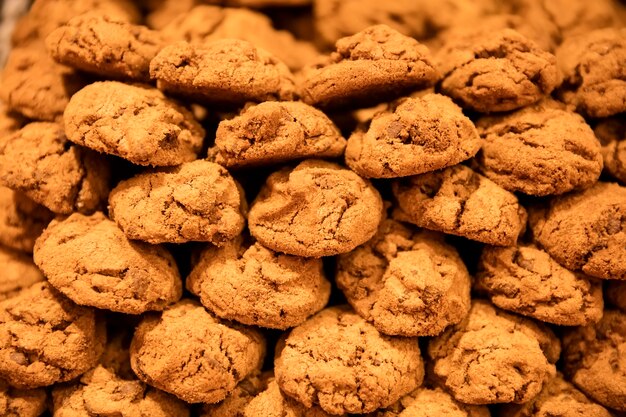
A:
90	260
459	201
134	122
413	136
39	161
315	209
271	402
615	294
275	132
235	404
21	403
21	220
612	135
342	363
18	272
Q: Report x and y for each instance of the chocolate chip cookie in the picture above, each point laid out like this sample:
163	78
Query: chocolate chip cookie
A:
21	403
612	135
19	272
21	220
235	404
272	402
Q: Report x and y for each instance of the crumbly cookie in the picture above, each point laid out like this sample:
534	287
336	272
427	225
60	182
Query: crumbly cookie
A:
275	132
593	359
195	201
342	363
96	43
375	65
615	294
235	404
539	150
494	357
90	260
405	282
458	201
593	65
210	357
315	209
585	230
21	220
134	122
526	280
273	403
222	72
9	121
496	71
39	161
21	403
45	338
612	135
414	135
18	272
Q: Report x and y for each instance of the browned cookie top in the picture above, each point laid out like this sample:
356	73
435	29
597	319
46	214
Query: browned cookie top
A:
21	403
612	135
18	272
21	220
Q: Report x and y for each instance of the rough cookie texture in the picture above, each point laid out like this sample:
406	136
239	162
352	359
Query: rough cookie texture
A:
342	363
274	132
197	201
594	69
585	230
315	209
459	201
235	404
494	357
526	280
45	338
21	403
98	44
612	135
615	294
222	72
18	272
21	220
404	282
253	285
134	122
375	65
413	136
496	71
210	357
39	161
273	403
539	150
90	260
593	359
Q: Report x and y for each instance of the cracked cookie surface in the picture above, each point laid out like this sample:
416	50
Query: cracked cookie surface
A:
235	404
21	220
21	403
271	402
612	135
18	272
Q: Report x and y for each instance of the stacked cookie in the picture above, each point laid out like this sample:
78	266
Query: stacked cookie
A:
382	209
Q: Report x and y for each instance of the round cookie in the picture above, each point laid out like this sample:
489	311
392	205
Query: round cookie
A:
615	294
235	404
593	65
223	72
413	136
39	161
315	209
18	272
273	403
275	132
342	363
209	359
494	357
135	122
45	338
526	280
404	282
585	230
21	403
458	201
496	71
248	283
539	150
593	359
21	220
375	65
612	135
89	259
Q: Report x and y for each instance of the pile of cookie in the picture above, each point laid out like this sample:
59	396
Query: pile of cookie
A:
186	231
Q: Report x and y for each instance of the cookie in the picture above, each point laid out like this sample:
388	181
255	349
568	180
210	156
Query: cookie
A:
251	284
195	201
496	71
526	280
211	356
275	132
579	16
458	201
21	220
45	338
539	150
273	403
615	294
224	72
89	260
405	282
593	72
135	122
98	44
343	364
21	403
39	161
612	135
494	357
9	120
593	359
235	404
585	231
375	65
413	136
18	272
315	209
